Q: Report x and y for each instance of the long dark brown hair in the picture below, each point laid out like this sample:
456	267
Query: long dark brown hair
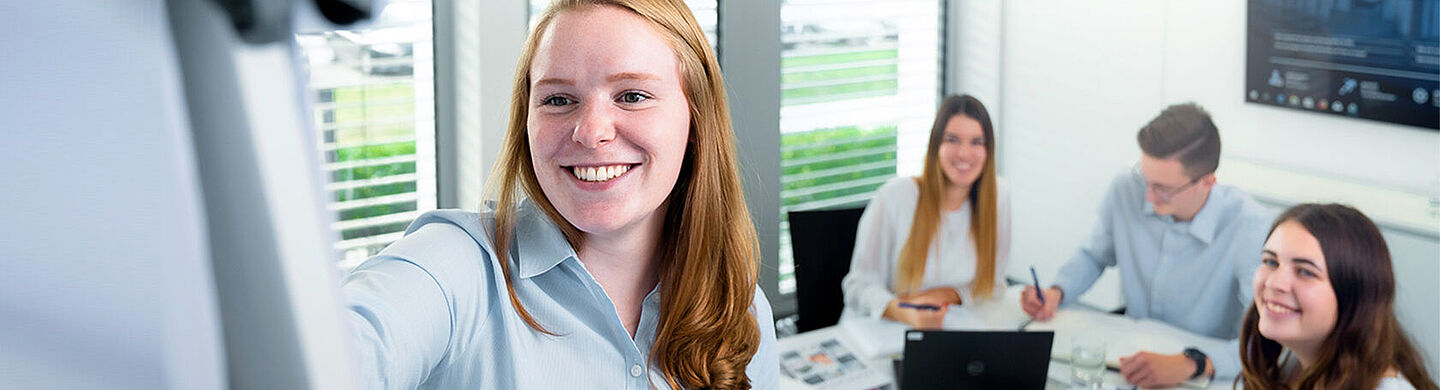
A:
1367	340
932	183
708	249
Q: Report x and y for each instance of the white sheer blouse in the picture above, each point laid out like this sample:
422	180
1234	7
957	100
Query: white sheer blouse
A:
882	232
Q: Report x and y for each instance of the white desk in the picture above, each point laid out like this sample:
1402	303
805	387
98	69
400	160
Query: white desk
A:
857	353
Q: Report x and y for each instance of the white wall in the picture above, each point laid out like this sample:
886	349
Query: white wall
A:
1416	271
1077	80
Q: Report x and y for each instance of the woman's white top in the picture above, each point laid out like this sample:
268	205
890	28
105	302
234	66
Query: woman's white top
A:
882	232
1396	382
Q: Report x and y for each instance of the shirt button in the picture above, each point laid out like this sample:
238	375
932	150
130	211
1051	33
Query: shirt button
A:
636	370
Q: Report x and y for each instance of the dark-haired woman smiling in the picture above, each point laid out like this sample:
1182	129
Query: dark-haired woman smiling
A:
1323	316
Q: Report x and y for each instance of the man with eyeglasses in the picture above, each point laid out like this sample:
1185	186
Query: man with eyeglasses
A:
1186	248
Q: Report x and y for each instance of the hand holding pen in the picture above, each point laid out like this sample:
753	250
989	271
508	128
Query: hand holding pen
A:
925	309
919	306
1039	303
917	315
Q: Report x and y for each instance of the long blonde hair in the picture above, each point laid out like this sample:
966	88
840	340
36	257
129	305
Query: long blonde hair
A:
932	183
708	249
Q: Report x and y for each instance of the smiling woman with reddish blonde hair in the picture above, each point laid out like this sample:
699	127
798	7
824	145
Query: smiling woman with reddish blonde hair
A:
616	250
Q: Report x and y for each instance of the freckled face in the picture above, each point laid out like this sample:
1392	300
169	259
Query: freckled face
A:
608	120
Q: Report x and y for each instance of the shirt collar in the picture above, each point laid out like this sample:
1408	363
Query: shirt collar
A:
539	243
1206	221
1203	226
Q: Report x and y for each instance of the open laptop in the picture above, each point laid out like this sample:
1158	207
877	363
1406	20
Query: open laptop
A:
975	360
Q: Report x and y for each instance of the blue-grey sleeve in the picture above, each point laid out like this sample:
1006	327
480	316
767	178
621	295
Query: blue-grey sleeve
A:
764	367
405	301
1097	252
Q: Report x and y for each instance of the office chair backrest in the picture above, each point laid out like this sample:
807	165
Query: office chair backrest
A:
822	242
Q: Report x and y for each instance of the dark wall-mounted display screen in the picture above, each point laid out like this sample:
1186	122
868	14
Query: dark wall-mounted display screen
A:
1370	59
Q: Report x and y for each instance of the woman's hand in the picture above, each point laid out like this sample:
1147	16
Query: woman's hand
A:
939	296
923	310
916	314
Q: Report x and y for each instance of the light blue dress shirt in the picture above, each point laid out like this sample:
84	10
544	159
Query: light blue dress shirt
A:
1194	275
431	311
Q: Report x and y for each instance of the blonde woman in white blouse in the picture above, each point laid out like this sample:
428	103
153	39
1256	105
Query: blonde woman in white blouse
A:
939	239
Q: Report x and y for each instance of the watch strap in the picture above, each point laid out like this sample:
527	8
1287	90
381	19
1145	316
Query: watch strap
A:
1199	358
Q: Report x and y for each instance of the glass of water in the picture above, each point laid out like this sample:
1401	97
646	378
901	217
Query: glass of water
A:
1087	362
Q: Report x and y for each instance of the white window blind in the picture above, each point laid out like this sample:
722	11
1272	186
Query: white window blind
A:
860	80
373	95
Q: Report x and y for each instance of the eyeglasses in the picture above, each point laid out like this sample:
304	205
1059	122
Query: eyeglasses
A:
1165	193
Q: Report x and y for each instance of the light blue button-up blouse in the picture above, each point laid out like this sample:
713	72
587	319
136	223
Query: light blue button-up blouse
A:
431	311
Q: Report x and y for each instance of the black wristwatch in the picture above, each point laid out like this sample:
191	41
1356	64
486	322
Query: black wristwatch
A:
1199	359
